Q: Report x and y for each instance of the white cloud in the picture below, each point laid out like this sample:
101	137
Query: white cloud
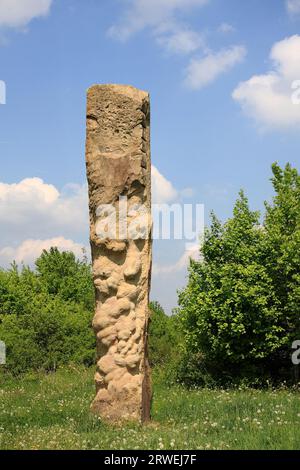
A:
32	208
163	191
201	72
35	210
293	6
35	215
268	98
182	41
18	13
150	13
29	250
164	20
191	251
226	28
161	18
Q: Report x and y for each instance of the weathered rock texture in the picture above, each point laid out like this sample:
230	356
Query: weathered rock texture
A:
118	164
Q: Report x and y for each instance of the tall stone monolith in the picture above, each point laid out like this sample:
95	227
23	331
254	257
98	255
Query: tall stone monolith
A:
119	178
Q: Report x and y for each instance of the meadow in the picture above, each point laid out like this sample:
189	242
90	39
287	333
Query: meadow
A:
51	411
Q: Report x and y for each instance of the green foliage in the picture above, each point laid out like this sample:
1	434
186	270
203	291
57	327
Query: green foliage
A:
240	309
45	315
163	337
61	274
282	245
17	290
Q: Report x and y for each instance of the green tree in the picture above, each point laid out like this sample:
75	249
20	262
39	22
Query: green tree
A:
45	314
239	309
18	289
163	337
53	334
61	274
282	252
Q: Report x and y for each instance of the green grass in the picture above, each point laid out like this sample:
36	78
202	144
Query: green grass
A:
51	411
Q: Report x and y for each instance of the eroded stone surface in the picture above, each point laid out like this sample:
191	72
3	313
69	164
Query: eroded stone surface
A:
118	164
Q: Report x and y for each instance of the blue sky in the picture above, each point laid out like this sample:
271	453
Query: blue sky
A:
219	73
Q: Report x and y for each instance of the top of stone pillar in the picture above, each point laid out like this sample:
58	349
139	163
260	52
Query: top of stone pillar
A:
128	90
118	140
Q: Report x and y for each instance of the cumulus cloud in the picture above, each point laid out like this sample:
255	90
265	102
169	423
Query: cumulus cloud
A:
226	28
29	250
293	7
33	208
163	191
161	18
201	72
164	20
268	98
18	13
35	215
182	40
191	251
150	13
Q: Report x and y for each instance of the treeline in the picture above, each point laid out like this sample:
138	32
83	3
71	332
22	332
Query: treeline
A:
46	316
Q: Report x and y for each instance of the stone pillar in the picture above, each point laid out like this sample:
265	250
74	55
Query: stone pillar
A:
119	178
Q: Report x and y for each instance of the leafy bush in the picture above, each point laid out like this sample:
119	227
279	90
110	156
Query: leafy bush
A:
240	309
45	315
163	337
62	275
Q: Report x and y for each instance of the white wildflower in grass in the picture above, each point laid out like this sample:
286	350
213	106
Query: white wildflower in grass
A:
52	412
